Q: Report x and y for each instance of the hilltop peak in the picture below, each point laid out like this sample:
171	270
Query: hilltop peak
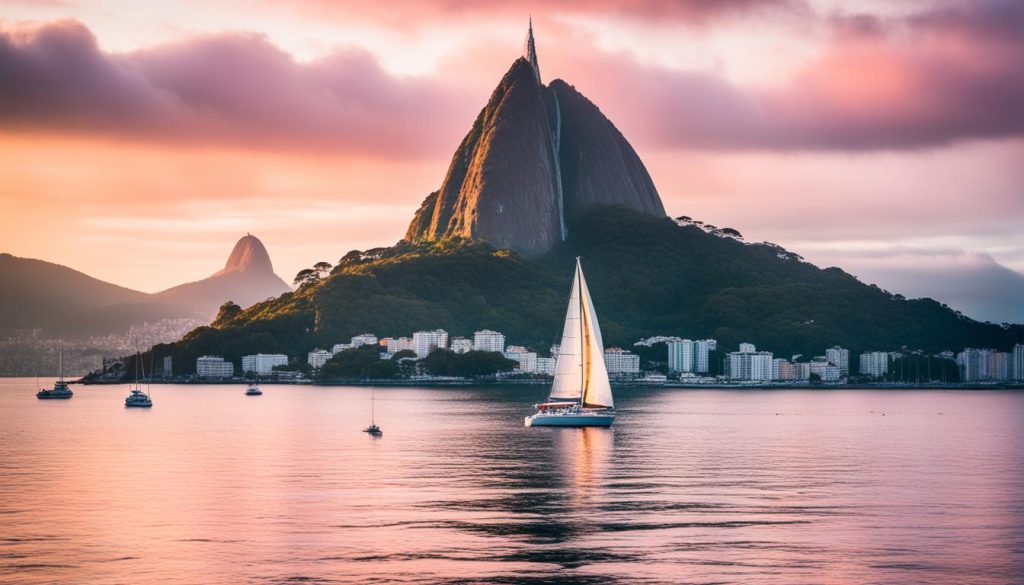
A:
248	255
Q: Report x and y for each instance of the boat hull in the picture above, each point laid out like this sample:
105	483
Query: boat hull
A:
575	419
53	396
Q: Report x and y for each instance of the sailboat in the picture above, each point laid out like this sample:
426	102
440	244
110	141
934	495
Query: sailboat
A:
137	398
581	395
60	387
373	429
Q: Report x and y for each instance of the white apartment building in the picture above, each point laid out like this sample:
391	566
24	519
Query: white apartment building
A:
546	365
364	339
978	365
840	358
826	370
397	344
462	345
526	358
340	347
685	355
620	361
874	363
749	365
211	366
747	348
425	342
487	340
318	357
263	364
1018	361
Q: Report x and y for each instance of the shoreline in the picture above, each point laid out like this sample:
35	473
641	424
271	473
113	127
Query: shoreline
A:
1014	385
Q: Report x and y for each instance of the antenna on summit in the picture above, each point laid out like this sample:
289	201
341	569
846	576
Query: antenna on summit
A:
530	51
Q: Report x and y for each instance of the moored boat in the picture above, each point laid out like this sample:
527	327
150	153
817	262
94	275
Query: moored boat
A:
60	390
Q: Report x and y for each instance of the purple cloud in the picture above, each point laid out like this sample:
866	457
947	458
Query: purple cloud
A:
231	89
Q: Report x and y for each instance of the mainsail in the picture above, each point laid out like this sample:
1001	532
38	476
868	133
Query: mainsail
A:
580	373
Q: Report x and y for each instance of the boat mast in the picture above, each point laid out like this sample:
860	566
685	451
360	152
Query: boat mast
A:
60	361
583	341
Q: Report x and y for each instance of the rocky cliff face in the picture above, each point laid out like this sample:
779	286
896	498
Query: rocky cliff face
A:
535	159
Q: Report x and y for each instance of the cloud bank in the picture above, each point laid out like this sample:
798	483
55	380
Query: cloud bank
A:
933	78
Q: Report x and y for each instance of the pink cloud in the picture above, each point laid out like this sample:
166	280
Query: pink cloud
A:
227	89
408	13
928	80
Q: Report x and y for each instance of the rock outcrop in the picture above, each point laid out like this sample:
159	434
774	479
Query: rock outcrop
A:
536	157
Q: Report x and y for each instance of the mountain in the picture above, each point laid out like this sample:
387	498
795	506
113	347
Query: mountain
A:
647	276
64	302
247	277
542	178
535	159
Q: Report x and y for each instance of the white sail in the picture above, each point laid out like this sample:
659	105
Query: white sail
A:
580	372
569	362
597	390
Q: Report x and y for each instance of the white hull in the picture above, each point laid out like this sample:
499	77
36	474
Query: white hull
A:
571	419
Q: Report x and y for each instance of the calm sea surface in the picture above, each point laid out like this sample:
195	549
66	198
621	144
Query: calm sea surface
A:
211	486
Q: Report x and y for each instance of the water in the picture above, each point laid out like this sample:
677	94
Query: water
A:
211	486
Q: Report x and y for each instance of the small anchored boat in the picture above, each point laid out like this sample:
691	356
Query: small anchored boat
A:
60	390
373	429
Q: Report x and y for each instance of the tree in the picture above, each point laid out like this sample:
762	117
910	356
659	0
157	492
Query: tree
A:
306	276
228	311
322	268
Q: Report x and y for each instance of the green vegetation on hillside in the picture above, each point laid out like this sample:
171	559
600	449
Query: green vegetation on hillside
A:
647	276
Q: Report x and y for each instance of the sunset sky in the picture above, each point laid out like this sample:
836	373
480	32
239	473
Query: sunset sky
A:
139	141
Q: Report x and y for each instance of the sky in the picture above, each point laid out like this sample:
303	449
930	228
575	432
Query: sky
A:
139	141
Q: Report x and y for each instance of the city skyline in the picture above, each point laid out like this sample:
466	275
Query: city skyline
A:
759	134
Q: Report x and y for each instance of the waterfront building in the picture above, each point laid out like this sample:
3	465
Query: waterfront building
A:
318	357
983	365
1018	361
688	356
749	365
839	357
620	361
364	339
826	370
1001	365
211	366
526	358
263	364
462	345
397	344
168	367
487	340
874	363
546	365
785	370
425	342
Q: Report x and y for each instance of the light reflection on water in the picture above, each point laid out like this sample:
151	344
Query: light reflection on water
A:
211	486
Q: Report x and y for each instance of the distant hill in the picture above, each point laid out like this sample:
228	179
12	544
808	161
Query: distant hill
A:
647	275
247	277
65	302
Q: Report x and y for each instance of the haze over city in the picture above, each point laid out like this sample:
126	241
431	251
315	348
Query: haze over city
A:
885	139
